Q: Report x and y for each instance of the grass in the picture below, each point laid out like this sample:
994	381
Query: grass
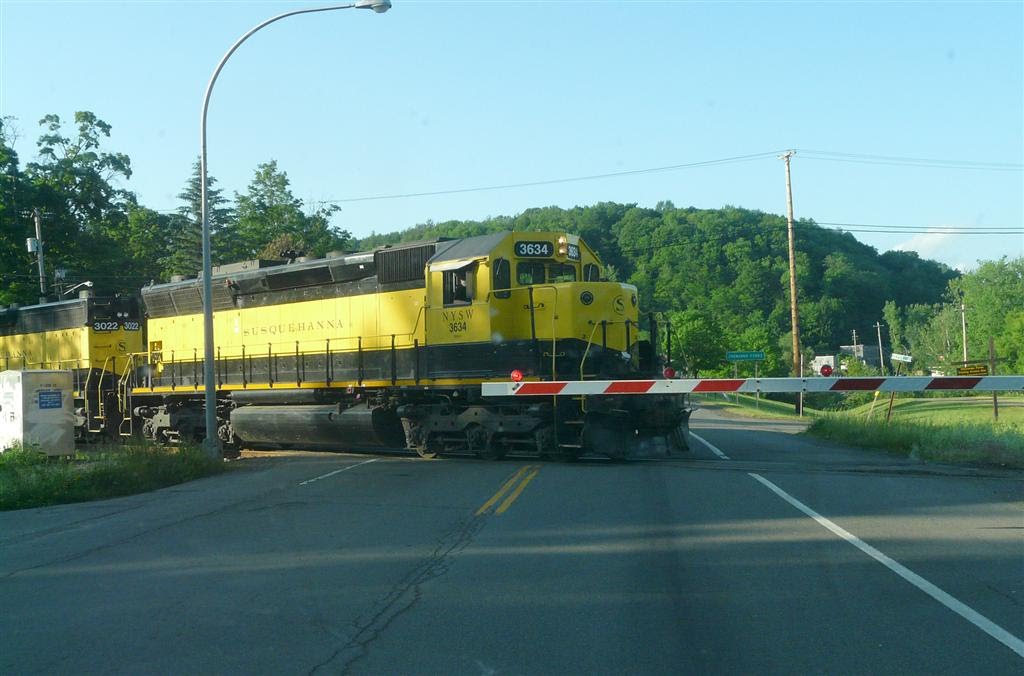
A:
953	430
30	479
999	444
946	411
749	407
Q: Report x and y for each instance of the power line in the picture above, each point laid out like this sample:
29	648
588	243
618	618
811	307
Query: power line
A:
929	231
952	229
862	158
555	181
820	155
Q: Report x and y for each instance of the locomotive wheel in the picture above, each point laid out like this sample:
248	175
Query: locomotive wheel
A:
429	449
544	437
484	445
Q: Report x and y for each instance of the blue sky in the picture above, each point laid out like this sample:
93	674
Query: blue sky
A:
440	95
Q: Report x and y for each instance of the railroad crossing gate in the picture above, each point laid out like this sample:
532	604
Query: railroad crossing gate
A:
755	385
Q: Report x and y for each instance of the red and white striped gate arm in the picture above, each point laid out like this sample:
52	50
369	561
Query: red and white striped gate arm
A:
752	385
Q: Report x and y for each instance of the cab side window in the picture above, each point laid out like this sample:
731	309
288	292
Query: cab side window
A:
529	273
501	280
591	273
460	285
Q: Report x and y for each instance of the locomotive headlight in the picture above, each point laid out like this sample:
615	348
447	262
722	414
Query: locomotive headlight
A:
516	375
563	245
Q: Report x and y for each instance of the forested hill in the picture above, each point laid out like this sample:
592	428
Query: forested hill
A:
724	273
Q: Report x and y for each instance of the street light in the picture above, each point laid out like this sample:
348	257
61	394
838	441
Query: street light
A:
211	443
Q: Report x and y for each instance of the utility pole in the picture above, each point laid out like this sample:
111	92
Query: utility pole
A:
881	355
963	322
38	218
855	344
794	314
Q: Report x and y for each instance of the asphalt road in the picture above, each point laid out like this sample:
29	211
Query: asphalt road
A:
783	556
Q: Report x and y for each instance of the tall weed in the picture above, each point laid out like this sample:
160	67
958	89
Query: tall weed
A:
30	479
988	444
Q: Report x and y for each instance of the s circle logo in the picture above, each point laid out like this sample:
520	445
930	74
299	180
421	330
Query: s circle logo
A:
619	305
586	298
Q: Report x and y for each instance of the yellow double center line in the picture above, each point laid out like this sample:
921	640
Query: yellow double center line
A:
528	471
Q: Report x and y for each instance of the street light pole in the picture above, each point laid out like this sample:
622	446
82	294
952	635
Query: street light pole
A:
211	442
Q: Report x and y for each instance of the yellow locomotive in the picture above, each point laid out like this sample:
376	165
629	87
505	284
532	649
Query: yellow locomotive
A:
390	347
93	337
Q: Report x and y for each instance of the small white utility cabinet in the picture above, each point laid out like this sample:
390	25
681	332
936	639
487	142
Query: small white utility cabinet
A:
37	409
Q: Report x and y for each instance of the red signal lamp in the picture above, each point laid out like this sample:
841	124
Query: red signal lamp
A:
669	373
826	370
516	375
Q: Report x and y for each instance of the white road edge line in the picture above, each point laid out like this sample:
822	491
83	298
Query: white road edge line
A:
338	471
714	449
977	619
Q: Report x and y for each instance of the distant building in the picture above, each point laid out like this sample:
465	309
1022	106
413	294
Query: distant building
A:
866	354
823	360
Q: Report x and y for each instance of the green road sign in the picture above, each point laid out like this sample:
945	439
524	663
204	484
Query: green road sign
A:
744	356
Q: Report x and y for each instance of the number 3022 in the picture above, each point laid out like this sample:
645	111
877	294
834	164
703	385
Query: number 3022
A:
114	326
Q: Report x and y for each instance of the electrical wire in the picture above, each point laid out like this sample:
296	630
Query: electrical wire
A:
861	158
555	181
819	155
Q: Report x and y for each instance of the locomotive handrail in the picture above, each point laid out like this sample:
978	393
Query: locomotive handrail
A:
291	348
530	288
124	398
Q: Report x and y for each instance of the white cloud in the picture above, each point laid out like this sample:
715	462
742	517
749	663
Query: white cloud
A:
927	243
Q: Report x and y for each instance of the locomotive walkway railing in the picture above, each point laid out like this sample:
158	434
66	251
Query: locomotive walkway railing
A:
280	362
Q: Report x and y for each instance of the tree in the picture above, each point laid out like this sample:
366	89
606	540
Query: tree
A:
185	254
84	211
991	293
16	272
269	210
1010	343
700	341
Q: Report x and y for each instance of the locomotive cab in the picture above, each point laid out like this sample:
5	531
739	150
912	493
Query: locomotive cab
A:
536	298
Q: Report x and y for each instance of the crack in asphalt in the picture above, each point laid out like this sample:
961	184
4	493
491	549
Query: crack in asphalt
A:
403	595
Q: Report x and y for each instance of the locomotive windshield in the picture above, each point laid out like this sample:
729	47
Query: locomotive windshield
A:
535	272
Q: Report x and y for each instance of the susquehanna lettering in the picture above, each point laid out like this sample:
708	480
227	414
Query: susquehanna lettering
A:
291	327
